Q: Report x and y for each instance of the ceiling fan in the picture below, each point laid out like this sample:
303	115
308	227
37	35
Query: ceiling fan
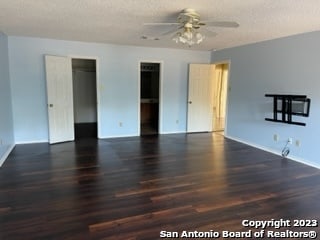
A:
187	27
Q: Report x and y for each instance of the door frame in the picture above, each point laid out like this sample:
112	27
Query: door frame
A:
228	90
160	62
97	86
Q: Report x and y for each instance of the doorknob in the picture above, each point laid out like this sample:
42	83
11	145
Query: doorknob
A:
190	102
50	105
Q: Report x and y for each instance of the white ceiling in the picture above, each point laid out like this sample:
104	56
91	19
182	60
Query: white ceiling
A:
121	21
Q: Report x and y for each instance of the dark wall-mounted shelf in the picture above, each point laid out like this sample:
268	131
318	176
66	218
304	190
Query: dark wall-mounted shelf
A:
288	105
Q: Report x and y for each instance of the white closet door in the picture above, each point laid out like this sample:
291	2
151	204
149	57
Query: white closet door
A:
60	98
200	98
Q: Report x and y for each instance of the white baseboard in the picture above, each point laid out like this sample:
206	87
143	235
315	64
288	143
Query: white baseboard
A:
254	145
30	142
300	160
178	132
134	135
6	154
294	158
117	136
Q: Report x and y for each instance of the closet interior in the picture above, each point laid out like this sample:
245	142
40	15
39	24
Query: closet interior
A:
149	98
84	98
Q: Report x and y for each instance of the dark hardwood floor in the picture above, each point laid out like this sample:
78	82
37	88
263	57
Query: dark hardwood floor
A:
133	188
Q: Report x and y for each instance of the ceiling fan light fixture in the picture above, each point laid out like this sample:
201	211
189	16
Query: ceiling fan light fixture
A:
188	36
199	37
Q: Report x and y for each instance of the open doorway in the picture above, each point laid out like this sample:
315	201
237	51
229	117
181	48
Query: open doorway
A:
149	98
84	98
220	86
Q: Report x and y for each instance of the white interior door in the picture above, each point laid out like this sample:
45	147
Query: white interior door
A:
200	98
60	98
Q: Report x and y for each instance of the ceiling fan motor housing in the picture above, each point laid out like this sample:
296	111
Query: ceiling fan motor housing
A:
188	15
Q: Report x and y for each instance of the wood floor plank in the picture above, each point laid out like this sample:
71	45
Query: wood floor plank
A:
138	219
135	187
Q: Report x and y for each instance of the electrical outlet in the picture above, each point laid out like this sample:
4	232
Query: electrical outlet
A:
275	137
290	140
120	124
177	121
298	143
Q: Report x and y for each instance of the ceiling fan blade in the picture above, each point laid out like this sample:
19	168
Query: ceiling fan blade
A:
221	24
161	24
207	32
146	37
171	31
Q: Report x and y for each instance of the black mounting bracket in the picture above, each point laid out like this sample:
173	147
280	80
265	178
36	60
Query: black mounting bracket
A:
283	105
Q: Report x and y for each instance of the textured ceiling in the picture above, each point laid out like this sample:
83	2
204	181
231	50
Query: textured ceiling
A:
121	21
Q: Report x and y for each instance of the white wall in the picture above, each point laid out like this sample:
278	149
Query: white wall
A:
118	89
289	65
6	122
